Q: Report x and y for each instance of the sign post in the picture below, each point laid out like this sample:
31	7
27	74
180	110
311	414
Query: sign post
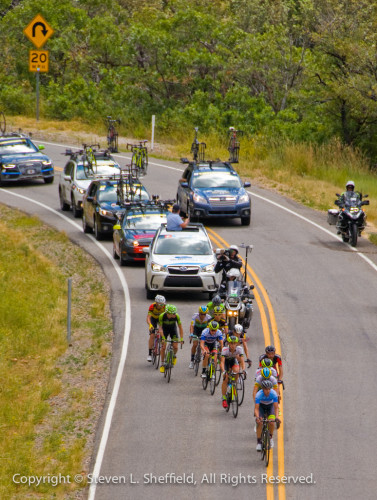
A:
152	138
38	32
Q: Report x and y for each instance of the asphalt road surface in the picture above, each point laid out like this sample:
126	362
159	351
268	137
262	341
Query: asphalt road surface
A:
323	296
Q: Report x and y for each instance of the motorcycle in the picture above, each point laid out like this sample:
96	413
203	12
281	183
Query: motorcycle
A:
350	220
238	305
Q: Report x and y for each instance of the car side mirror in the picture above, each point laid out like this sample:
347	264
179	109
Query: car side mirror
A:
184	184
89	198
67	177
117	227
41	147
247	184
146	250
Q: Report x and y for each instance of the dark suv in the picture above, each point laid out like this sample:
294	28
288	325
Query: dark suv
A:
213	189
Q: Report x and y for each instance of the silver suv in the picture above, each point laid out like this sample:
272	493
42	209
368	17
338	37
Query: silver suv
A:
180	260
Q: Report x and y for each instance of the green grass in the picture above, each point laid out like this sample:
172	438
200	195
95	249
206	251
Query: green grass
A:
46	387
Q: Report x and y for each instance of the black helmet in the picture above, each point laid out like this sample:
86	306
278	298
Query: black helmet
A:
266	384
216	301
270	348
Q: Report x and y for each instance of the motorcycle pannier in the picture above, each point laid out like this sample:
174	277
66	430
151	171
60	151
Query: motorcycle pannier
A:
332	216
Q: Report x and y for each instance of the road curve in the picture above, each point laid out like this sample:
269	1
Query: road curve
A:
324	300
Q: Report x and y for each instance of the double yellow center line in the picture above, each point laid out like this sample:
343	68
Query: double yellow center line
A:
267	327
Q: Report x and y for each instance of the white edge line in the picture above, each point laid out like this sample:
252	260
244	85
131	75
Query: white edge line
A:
126	336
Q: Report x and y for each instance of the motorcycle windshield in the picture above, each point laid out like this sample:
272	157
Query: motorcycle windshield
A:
352	199
234	288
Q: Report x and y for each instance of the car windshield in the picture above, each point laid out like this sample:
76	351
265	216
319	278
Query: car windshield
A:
15	146
105	170
108	193
216	180
144	221
183	243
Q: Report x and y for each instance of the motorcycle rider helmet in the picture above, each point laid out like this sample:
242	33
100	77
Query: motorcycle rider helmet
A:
266	363
216	301
350	184
266	384
232	339
203	310
233	273
266	373
270	348
160	299
233	247
213	325
217	310
170	309
238	329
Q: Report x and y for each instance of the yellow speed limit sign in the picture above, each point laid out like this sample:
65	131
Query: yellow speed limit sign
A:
38	60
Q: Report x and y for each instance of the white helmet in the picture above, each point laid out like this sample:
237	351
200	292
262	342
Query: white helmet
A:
234	247
233	273
160	299
350	183
238	329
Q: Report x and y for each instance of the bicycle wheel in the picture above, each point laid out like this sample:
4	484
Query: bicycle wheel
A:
205	379
197	360
240	389
212	378
145	162
263	439
234	401
218	372
3	123
168	368
166	364
228	398
267	445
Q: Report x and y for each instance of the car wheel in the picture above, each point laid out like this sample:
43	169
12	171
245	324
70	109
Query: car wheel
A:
76	211
63	205
86	228
245	221
48	180
97	232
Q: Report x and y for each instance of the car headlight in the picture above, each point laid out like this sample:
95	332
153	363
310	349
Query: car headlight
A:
79	190
158	267
45	162
105	213
243	198
132	243
209	268
199	199
9	165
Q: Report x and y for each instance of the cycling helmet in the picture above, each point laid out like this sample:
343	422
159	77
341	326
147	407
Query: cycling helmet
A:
170	309
203	310
266	363
233	273
217	310
233	247
270	348
232	340
216	301
266	372
266	384
213	325
238	329
160	299
350	183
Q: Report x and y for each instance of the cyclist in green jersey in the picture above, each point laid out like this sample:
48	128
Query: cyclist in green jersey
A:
168	323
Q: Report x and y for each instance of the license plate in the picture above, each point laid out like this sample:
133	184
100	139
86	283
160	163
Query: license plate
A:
30	171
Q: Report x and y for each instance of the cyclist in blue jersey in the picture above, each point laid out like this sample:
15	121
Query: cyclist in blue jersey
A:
266	405
208	343
199	322
265	374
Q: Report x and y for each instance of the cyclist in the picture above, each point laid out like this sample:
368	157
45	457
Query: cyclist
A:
218	315
238	332
154	311
276	361
266	405
266	363
231	359
216	301
265	374
198	323
208	343
168	322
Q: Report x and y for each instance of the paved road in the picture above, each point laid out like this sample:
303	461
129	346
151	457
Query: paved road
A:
324	298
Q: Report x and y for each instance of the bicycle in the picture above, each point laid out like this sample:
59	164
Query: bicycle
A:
210	373
139	157
234	144
169	356
89	156
112	134
197	148
265	437
198	354
232	394
156	352
3	123
241	387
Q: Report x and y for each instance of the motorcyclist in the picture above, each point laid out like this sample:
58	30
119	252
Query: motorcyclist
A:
350	188
227	259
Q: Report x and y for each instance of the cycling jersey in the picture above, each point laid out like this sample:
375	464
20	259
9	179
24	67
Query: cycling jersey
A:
198	324
211	307
262	399
222	322
154	312
169	326
209	338
258	381
227	354
275	361
273	372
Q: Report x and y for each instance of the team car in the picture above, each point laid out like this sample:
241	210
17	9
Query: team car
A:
21	159
136	228
77	176
180	260
211	189
105	198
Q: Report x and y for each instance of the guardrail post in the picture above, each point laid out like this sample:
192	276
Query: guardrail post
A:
69	311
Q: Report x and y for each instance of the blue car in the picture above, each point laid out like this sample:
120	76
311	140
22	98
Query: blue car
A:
21	159
213	189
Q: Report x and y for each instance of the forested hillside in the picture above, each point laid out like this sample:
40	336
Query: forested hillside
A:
304	69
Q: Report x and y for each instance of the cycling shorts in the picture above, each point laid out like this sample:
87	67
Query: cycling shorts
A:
266	410
154	322
211	347
230	362
172	335
198	330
